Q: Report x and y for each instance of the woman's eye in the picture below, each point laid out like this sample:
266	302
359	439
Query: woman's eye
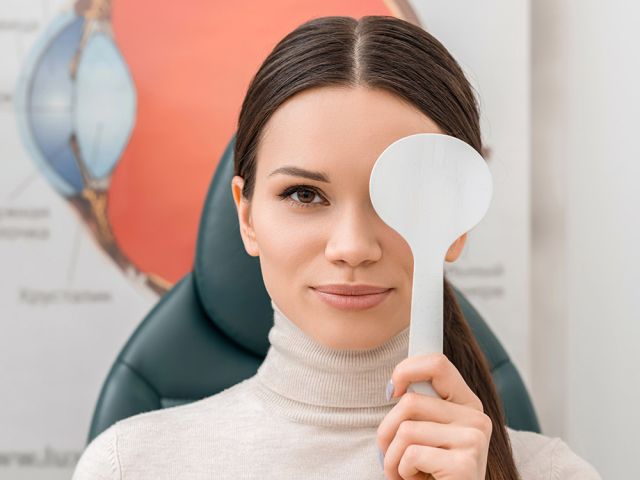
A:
301	196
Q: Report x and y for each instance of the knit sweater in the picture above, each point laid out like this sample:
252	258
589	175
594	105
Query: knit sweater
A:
309	412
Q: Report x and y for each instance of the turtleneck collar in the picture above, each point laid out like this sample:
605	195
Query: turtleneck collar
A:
311	383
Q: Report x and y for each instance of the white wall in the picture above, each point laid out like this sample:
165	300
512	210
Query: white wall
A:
603	233
548	177
586	198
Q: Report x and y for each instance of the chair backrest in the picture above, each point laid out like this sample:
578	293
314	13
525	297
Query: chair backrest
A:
210	331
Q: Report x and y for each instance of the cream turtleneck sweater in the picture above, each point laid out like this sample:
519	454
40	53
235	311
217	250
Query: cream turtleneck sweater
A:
309	412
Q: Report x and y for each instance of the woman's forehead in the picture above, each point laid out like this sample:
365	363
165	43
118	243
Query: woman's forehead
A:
337	129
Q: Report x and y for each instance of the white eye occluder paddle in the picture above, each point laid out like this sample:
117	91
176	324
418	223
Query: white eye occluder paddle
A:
431	189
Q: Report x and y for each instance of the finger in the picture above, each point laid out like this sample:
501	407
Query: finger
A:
414	406
419	460
410	434
444	376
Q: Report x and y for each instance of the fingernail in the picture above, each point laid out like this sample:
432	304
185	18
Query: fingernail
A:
381	458
390	389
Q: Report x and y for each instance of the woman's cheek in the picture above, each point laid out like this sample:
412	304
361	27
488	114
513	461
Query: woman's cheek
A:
288	239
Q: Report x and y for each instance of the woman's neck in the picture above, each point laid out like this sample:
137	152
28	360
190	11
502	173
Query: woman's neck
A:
311	383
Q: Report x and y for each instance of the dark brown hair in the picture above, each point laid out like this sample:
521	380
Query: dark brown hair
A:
392	54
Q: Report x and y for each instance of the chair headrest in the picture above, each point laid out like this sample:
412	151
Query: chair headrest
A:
228	280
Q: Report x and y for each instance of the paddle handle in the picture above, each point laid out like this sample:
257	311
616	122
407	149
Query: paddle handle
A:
426	331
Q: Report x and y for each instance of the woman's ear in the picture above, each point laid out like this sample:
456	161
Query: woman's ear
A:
456	248
243	207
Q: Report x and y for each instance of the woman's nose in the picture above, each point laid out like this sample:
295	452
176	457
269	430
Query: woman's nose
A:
353	237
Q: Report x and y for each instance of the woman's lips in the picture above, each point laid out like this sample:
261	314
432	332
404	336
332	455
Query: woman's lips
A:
352	302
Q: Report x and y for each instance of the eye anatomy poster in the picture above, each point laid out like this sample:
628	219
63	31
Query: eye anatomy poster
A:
113	118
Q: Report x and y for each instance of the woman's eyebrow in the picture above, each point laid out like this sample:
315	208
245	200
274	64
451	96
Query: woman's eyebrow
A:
301	172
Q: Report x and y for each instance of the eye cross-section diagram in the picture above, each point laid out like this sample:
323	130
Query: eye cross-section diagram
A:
76	105
127	108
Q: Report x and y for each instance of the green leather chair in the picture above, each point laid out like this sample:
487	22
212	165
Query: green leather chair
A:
209	331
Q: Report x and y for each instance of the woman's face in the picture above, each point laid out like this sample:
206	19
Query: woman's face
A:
327	231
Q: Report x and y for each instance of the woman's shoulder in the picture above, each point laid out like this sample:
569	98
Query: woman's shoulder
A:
99	460
539	456
207	409
102	458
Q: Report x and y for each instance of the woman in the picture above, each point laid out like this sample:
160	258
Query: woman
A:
331	394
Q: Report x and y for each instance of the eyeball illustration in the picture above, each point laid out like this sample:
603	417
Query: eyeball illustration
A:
76	105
